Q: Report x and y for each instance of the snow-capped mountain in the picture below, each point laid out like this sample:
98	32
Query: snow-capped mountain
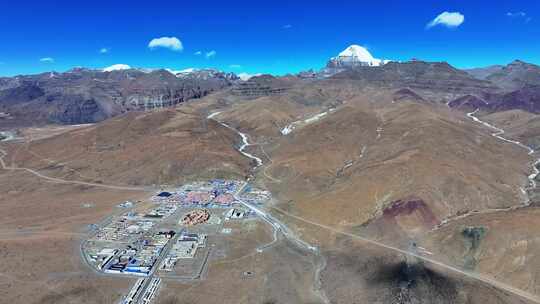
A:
355	55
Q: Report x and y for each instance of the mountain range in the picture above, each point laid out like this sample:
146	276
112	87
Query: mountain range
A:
84	95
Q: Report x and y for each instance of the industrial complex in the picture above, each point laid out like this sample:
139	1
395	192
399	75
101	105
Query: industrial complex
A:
168	237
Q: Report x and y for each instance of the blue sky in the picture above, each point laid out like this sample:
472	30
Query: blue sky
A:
249	36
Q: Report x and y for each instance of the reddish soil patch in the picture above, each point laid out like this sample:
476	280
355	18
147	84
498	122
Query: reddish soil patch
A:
409	206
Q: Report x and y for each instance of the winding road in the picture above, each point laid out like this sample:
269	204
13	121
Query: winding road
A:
3	165
476	276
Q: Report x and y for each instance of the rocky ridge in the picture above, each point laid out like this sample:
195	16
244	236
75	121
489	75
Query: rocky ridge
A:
85	96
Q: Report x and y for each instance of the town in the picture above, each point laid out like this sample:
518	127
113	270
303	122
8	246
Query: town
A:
171	236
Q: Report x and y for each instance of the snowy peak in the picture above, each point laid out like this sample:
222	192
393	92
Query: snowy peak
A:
355	55
117	67
358	53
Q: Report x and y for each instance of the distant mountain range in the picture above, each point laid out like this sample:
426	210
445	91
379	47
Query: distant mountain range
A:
518	86
85	95
513	76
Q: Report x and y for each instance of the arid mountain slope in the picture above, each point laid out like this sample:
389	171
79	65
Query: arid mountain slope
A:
162	147
392	170
377	159
357	164
438	81
518	124
501	244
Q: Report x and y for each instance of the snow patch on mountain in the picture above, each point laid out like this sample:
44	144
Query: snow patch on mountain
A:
117	67
247	76
292	126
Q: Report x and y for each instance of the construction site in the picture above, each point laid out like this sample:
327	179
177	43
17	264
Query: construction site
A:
172	236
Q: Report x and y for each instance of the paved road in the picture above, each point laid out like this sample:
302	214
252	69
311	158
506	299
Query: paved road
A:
159	260
476	276
275	223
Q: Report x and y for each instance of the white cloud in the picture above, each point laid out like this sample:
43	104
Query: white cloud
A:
171	43
448	19
117	67
516	14
519	15
235	66
47	59
210	54
197	53
104	50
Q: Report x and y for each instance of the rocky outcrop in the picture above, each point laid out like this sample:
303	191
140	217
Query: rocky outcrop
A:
76	109
21	93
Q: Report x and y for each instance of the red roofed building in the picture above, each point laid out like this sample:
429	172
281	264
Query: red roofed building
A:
224	199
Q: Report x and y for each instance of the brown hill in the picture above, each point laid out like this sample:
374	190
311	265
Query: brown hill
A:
526	98
387	170
437	81
353	165
501	244
163	147
356	162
